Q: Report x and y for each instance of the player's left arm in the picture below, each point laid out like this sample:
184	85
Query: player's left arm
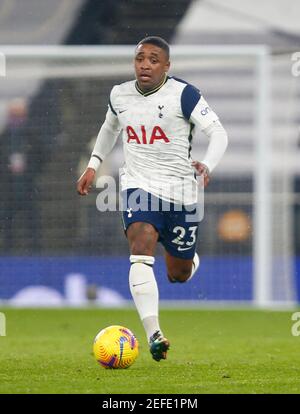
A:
197	111
218	142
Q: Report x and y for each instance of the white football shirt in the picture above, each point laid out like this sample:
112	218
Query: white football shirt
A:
157	129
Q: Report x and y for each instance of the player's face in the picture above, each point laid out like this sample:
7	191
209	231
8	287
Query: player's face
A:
150	63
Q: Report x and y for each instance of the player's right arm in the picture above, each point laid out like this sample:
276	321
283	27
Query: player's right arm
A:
105	142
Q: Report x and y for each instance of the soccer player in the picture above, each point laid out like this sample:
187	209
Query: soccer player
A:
156	115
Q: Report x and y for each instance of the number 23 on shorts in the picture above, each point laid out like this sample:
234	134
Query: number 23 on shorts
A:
185	239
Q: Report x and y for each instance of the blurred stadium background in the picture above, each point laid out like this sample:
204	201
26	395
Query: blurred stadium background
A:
62	59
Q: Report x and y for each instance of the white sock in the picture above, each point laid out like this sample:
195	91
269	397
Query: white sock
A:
143	288
151	325
196	263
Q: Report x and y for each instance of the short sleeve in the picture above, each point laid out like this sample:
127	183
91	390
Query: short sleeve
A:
189	98
111	101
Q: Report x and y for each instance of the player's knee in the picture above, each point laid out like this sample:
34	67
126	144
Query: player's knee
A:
141	249
143	243
180	275
142	239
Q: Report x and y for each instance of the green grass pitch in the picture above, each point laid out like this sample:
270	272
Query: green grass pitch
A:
212	351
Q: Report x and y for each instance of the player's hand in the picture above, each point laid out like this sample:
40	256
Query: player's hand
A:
202	169
84	184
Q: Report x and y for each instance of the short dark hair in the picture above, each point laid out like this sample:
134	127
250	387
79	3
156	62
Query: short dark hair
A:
156	41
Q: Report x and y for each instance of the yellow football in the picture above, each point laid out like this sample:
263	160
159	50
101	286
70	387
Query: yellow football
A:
115	347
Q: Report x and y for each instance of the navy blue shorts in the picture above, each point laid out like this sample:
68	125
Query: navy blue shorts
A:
178	230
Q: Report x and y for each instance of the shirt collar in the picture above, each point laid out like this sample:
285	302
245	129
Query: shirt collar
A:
166	77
